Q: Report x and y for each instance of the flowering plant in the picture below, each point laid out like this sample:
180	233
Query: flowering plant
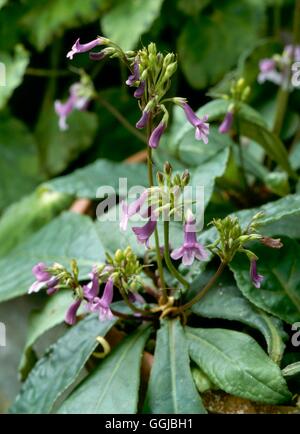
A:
168	298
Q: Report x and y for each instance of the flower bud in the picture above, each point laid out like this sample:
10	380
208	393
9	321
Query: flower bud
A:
167	168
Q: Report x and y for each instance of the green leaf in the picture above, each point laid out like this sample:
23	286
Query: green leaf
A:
46	20
280	291
234	23
27	216
52	314
15	67
127	21
192	7
225	301
253	126
114	385
171	389
60	366
291	370
85	182
69	236
236	363
19	169
63	147
2	3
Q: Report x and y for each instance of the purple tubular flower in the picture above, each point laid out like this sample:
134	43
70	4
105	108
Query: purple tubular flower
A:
102	305
190	249
202	127
43	280
40	272
91	290
74	101
268	72
227	123
132	209
156	135
139	92
133	78
83	48
255	277
143	120
144	233
70	317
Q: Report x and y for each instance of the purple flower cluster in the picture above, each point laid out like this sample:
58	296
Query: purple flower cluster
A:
90	294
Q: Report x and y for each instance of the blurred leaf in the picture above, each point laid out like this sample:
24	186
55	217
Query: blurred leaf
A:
15	67
85	182
60	366
2	3
129	20
291	370
235	23
69	236
227	302
280	291
117	380
192	7
19	168
295	156
236	363
46	20
52	314
63	147
27	216
278	183
171	389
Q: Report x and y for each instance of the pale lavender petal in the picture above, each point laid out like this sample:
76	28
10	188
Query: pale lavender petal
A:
227	123
139	92
188	257
255	277
177	253
143	120
40	272
156	135
83	48
144	233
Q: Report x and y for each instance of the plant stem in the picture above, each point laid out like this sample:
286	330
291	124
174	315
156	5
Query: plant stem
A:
39	72
241	155
207	287
169	263
276	20
123	121
296	29
131	305
156	237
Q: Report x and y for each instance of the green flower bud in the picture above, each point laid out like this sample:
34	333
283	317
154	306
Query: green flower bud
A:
167	168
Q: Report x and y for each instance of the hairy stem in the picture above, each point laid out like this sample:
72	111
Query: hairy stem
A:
169	263
207	287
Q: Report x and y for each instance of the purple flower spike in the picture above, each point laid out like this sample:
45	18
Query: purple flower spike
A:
190	249
143	121
133	78
144	233
255	277
72	311
83	48
227	123
132	209
102	305
139	92
202	127
156	135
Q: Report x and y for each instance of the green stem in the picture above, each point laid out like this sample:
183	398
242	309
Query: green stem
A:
169	263
156	237
39	72
241	155
131	305
207	287
277	20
